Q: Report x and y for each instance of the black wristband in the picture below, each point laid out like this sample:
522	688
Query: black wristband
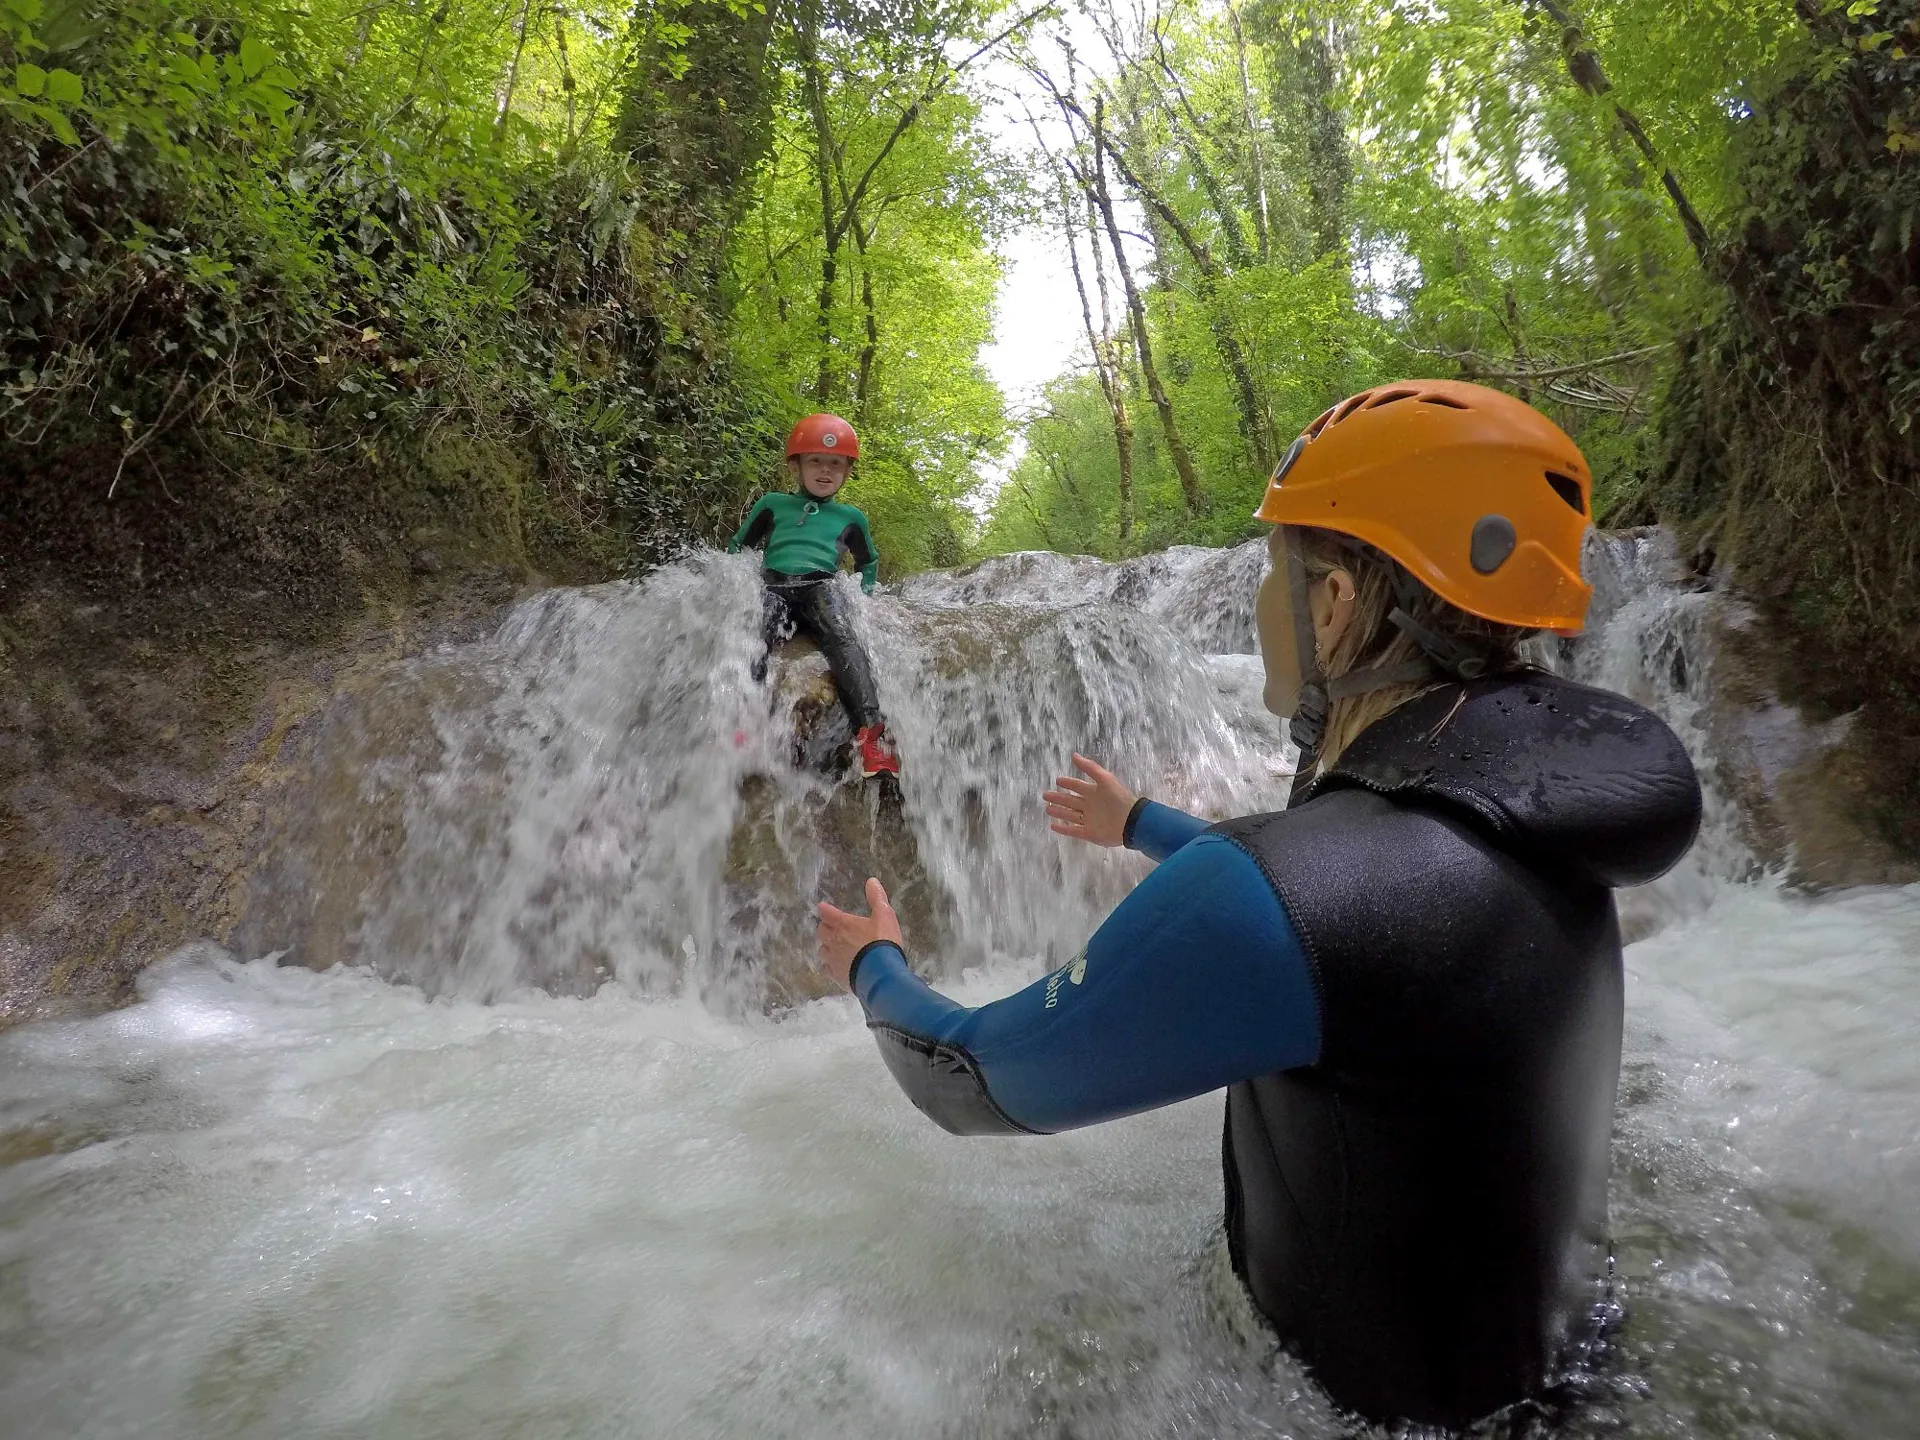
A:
1133	819
854	968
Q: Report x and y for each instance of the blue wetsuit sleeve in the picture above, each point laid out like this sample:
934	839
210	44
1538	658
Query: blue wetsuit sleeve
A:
1195	981
1157	830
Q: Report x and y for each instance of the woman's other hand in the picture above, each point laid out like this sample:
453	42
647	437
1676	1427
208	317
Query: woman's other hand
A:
843	935
1094	809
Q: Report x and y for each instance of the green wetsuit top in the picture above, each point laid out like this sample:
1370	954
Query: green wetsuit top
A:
804	536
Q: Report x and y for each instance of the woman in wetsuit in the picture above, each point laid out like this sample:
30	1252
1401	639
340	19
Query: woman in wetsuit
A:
1410	980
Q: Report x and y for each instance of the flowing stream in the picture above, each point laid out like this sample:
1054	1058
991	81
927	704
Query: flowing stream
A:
551	1131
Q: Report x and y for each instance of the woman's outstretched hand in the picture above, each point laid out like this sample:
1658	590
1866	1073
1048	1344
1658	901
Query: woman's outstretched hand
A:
1094	809
843	935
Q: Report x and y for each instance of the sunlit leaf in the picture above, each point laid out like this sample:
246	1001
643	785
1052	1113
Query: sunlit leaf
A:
255	55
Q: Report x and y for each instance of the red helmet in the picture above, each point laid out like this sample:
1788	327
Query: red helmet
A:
823	435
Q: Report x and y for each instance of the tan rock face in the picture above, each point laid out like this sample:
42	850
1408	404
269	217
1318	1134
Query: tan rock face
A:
803	686
145	768
1806	785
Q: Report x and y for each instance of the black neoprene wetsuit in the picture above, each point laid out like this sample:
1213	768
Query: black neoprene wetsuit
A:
816	606
1411	984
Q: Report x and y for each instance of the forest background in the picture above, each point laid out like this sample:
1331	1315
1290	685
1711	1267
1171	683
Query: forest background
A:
301	295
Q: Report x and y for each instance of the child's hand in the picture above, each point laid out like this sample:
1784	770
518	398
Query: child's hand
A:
1094	810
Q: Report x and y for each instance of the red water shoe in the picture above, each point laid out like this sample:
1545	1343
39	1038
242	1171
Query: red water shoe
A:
877	755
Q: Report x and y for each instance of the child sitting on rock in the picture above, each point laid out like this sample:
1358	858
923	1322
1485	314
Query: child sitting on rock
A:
803	535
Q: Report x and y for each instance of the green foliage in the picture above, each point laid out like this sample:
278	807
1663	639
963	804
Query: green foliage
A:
1426	187
1789	443
288	242
29	93
875	136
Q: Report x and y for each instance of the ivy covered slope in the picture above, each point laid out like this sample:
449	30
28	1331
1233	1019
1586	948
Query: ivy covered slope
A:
1790	432
286	284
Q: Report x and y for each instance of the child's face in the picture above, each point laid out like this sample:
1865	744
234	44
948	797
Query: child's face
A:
822	475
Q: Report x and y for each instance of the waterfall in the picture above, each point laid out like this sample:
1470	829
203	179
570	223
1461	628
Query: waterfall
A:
602	793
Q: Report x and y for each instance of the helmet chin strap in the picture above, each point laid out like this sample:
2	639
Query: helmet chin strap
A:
1454	659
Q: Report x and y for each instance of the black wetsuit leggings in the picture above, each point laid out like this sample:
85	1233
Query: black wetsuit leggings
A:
813	604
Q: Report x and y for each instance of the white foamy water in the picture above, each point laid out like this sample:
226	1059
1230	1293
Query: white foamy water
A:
269	1202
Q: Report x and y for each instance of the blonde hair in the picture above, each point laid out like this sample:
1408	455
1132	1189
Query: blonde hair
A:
1371	640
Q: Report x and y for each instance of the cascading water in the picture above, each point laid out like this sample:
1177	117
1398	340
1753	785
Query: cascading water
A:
602	792
562	1156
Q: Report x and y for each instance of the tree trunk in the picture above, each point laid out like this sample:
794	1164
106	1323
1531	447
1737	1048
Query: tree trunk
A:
1039	520
696	122
1110	382
837	218
1162	219
1238	256
1583	65
1256	162
566	70
1518	339
1097	340
1137	315
1329	165
1252	414
863	377
1109	346
513	75
825	166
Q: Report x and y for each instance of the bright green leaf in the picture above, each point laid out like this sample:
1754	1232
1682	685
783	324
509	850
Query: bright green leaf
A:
64	87
185	72
29	80
54	121
255	55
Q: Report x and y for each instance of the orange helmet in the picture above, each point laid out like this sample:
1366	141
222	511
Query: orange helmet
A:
1483	499
823	435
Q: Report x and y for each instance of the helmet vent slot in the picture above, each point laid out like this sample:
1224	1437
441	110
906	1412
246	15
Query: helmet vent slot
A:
1568	489
1389	397
1313	430
1352	405
1445	400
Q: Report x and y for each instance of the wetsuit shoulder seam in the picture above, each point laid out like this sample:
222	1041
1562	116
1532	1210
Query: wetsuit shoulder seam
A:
760	522
854	532
1309	949
1415	791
